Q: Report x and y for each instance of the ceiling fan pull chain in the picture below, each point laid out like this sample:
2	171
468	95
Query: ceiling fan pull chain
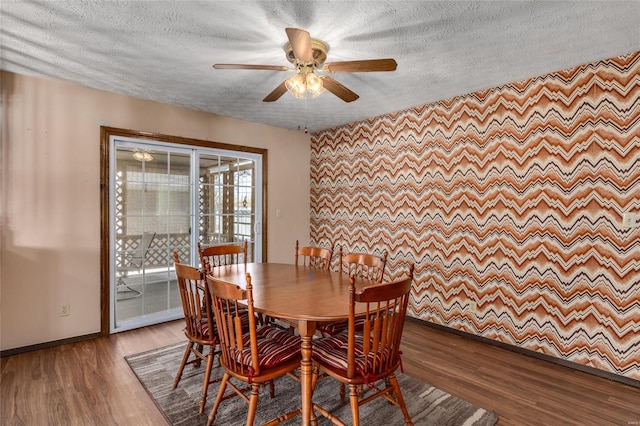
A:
306	112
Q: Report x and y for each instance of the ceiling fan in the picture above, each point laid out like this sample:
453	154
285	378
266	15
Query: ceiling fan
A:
308	56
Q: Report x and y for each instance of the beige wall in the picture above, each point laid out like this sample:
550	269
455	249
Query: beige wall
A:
50	196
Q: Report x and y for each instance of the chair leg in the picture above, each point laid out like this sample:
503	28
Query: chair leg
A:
353	398
400	399
272	389
221	390
187	352
343	394
200	349
253	403
205	386
315	372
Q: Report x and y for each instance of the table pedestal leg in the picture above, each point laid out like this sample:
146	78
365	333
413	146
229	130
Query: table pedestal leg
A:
306	329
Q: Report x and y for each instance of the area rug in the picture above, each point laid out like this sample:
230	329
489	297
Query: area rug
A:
427	405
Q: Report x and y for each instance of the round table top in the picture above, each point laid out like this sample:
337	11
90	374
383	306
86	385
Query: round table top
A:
294	292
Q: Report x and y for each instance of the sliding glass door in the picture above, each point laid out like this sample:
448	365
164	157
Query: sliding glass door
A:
166	198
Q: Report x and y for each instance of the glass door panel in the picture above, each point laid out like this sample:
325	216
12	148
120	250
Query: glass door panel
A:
153	217
226	201
165	197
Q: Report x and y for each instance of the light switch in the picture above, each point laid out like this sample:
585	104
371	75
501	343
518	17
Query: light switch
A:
278	213
628	220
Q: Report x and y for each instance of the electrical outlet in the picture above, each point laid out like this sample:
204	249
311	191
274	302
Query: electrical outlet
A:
628	220
65	310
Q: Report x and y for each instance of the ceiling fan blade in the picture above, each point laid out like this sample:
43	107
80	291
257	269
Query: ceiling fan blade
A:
250	67
338	89
300	44
276	93
366	65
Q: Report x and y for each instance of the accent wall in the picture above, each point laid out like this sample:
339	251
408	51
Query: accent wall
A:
510	203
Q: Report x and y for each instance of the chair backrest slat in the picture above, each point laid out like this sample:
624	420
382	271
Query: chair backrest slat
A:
220	255
369	266
315	257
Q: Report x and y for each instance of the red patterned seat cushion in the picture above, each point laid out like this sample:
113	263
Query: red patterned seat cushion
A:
332	351
203	327
199	329
275	346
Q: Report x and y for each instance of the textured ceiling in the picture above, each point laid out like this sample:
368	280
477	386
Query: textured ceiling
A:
164	50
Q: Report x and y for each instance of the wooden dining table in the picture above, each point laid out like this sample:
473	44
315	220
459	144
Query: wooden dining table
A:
299	293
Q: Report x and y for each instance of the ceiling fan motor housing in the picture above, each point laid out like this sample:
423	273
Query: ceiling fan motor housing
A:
319	49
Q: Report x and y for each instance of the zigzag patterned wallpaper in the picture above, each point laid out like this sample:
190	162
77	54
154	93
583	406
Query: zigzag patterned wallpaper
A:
510	202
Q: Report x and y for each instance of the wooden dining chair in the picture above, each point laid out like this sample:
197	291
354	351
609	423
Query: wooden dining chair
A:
254	357
369	266
200	324
369	357
314	257
225	254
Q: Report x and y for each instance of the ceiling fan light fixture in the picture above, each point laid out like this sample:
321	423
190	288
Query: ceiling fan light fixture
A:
319	92
314	84
142	156
296	85
304	82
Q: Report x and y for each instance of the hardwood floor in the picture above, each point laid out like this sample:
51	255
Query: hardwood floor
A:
86	383
521	389
90	383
